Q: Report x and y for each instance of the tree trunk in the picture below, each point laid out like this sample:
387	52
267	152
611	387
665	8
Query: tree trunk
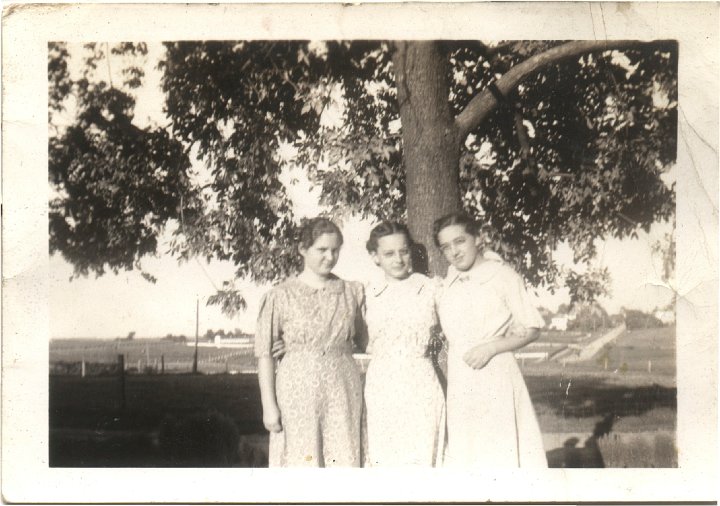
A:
431	145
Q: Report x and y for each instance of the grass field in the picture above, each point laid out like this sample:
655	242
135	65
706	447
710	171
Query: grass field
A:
142	353
95	402
567	337
167	419
637	357
563	404
627	357
633	350
89	427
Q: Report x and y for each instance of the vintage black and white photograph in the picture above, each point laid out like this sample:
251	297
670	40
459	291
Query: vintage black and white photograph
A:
441	254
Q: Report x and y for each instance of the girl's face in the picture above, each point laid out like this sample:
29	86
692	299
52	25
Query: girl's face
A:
322	256
460	248
393	256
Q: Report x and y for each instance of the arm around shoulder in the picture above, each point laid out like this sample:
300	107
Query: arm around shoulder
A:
360	336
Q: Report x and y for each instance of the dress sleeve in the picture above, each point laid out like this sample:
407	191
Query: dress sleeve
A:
267	329
519	302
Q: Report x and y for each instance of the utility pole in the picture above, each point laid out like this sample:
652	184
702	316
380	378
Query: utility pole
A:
197	330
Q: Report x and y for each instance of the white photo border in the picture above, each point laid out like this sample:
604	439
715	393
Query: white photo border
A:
27	29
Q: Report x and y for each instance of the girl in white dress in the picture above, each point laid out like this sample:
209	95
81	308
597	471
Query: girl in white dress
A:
490	418
405	404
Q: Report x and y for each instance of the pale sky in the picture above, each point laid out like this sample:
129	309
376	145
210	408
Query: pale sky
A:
113	305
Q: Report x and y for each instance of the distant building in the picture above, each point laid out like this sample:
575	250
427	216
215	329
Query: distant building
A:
232	340
666	317
559	322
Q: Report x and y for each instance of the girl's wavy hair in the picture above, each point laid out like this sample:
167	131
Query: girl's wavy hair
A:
459	218
313	228
383	229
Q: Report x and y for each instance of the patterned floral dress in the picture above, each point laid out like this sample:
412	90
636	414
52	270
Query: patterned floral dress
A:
490	418
405	404
318	385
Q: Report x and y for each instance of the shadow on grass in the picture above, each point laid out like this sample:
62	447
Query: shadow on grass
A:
216	422
577	399
587	456
84	449
592	397
603	449
209	439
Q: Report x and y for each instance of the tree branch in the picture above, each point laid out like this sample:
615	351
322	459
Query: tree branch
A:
484	103
524	141
492	51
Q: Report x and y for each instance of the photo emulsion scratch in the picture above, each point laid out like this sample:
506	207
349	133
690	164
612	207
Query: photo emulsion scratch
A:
450	256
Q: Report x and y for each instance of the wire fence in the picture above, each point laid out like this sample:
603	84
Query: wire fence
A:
100	361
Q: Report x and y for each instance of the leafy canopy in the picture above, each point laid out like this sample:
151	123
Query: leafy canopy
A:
115	186
576	152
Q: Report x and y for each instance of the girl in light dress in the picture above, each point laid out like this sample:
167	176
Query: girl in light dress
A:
313	405
404	400
482	304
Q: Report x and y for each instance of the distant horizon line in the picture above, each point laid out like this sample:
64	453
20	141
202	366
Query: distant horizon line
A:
136	338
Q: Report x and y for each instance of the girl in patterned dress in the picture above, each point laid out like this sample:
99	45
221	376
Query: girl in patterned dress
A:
482	304
405	404
312	403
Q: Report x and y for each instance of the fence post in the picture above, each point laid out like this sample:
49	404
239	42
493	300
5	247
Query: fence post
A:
121	365
197	330
82	368
162	364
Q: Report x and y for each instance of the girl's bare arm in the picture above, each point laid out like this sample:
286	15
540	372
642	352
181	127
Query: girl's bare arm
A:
478	356
516	340
266	379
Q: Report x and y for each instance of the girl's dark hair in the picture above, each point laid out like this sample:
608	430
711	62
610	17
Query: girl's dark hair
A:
314	228
460	218
383	229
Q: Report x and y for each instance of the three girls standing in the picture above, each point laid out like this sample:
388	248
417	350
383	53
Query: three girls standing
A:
313	407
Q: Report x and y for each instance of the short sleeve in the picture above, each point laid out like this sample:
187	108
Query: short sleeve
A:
267	329
519	302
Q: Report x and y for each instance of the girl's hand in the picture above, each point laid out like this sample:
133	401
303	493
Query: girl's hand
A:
271	419
278	349
478	356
